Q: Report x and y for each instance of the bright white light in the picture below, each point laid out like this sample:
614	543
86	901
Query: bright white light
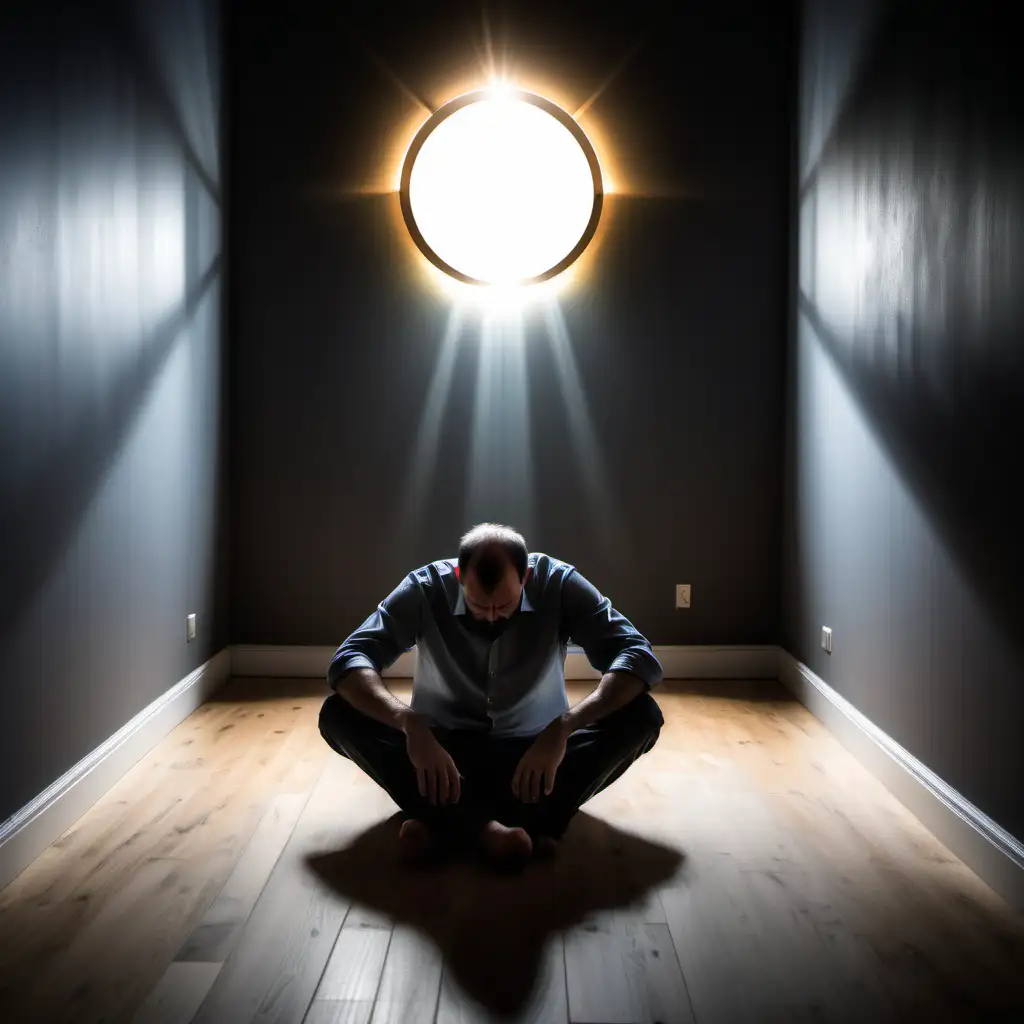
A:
500	89
501	190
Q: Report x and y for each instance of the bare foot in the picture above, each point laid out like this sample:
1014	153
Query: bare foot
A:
504	844
414	840
544	847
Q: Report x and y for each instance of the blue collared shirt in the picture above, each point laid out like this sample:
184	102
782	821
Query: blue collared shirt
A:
510	686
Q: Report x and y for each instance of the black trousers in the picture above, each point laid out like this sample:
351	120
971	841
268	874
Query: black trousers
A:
594	758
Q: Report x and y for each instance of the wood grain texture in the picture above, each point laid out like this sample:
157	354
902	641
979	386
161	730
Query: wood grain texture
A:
411	980
805	891
215	937
620	970
339	1011
178	994
354	970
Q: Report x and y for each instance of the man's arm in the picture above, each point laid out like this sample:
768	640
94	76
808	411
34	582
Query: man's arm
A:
615	648
612	645
355	670
364	689
355	675
615	690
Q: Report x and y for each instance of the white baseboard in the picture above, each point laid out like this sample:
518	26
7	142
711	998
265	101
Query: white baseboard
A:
26	834
984	846
690	662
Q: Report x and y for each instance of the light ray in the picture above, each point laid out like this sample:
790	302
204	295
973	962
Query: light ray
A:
389	73
491	67
428	437
610	77
500	486
601	509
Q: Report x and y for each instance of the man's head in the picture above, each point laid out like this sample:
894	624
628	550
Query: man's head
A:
492	570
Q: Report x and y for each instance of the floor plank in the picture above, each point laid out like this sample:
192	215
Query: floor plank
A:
178	994
411	980
620	970
215	937
354	969
339	1011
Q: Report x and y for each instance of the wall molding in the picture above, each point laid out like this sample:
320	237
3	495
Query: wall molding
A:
982	844
683	662
27	833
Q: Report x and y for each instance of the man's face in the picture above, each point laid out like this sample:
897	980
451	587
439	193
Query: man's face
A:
500	603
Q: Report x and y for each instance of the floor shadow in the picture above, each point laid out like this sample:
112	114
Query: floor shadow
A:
490	927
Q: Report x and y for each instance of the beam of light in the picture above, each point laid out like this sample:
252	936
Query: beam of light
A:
490	66
500	486
501	187
428	438
392	76
600	505
609	78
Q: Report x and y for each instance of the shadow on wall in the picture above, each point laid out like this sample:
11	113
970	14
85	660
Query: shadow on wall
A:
493	929
108	213
912	256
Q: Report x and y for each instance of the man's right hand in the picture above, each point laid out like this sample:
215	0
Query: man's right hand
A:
436	774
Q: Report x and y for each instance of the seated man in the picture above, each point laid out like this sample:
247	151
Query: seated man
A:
490	750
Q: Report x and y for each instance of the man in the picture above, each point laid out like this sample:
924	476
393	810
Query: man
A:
490	750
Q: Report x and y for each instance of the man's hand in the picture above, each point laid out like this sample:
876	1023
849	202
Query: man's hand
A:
436	774
538	765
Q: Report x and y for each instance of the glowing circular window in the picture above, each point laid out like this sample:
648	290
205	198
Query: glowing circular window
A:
501	186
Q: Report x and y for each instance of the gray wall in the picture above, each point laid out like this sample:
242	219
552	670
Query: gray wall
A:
640	437
906	374
111	434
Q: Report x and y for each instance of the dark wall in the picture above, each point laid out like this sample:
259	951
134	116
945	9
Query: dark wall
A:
636	431
903	504
111	480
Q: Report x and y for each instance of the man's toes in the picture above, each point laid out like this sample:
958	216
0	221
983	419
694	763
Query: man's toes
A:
414	840
505	844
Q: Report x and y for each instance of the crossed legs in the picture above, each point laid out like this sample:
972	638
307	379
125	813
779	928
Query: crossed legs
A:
487	809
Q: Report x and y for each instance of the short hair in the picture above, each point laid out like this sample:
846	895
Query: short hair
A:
490	568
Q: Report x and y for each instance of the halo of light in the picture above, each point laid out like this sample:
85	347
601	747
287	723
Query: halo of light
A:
501	186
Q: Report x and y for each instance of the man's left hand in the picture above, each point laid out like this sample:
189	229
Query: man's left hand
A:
538	765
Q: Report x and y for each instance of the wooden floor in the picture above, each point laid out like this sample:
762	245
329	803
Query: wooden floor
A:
746	869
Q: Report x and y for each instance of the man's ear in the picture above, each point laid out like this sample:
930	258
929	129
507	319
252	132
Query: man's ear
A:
458	575
529	573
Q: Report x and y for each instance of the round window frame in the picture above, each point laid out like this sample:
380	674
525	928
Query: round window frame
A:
479	96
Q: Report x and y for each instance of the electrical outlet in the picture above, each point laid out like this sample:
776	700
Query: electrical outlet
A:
826	639
190	628
682	595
